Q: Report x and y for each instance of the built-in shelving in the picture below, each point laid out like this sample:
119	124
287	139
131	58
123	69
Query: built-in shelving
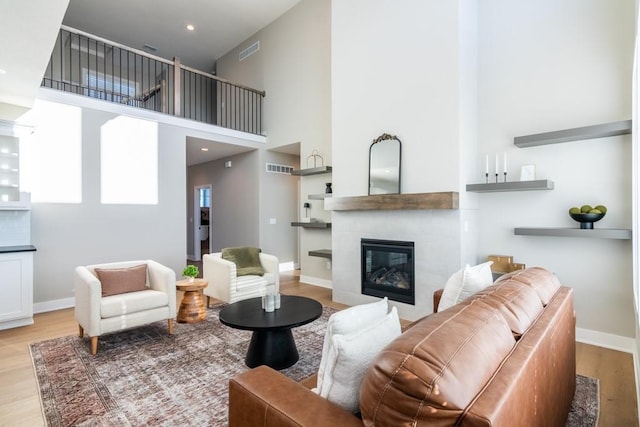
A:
541	184
599	233
312	224
319	196
575	134
312	171
322	253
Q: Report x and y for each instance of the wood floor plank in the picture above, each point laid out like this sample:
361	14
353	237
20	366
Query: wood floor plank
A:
20	401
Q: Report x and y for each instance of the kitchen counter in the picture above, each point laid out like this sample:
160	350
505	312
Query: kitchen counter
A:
21	248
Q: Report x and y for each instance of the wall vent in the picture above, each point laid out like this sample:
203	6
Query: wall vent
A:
283	169
244	54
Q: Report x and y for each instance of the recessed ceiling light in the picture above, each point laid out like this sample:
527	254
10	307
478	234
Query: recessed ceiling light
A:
204	149
3	71
190	27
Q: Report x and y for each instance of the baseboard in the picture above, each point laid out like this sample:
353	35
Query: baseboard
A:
602	339
58	304
286	266
324	283
191	257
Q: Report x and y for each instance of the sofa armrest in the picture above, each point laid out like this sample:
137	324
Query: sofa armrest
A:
163	279
436	299
88	294
221	275
271	264
265	397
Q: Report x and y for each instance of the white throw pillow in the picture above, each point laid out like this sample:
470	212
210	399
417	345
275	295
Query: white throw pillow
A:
347	321
352	356
464	283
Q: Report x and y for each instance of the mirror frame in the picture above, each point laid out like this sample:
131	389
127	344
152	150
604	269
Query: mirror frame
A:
386	137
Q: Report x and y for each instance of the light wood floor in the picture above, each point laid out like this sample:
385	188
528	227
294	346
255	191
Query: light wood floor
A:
20	402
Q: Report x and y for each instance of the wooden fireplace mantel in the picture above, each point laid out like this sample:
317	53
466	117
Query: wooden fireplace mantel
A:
411	201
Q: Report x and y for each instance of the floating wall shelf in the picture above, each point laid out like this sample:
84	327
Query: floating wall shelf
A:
313	224
599	233
575	134
404	201
322	253
319	196
312	171
541	184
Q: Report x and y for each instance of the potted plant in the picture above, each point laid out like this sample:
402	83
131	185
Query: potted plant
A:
190	271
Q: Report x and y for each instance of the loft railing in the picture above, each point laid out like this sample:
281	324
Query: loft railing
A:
88	65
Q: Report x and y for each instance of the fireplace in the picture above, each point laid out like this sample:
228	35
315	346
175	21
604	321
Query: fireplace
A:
388	269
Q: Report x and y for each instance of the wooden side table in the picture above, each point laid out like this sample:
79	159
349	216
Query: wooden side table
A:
192	309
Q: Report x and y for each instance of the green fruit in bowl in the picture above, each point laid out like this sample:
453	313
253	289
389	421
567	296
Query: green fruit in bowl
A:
595	211
601	208
585	208
574	210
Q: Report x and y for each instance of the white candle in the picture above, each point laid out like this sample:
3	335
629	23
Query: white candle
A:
505	162
486	165
496	164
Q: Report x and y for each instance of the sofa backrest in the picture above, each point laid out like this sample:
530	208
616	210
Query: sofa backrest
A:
437	369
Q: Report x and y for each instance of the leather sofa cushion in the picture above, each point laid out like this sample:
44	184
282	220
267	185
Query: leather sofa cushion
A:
541	280
433	371
518	303
132	302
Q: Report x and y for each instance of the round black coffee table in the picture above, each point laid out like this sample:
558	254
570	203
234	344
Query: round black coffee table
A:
272	342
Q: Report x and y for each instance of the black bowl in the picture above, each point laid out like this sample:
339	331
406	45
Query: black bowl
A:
586	220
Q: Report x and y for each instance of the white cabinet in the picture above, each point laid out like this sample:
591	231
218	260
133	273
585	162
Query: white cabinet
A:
16	288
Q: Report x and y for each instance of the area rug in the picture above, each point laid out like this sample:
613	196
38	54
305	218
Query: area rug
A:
146	377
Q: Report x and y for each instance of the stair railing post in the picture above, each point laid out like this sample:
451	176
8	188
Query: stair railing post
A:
177	90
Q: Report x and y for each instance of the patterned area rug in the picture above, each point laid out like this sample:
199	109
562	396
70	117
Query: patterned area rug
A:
146	377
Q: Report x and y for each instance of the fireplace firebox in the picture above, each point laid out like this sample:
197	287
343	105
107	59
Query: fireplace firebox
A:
388	269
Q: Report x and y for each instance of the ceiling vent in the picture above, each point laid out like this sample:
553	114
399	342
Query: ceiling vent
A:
283	169
244	54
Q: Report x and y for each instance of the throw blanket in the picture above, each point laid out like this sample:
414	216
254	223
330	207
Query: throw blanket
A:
246	259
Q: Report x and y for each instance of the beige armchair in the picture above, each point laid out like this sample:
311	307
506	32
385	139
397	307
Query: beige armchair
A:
226	285
105	301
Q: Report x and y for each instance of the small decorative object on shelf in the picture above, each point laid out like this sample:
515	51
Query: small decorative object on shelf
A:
328	190
191	271
587	215
314	154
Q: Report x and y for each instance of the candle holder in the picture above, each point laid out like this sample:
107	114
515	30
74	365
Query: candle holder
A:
505	177
496	177
486	177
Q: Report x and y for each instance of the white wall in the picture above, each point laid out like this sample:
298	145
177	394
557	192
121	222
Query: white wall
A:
234	199
68	235
408	71
544	66
293	67
244	198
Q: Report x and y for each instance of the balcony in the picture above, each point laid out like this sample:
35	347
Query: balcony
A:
90	66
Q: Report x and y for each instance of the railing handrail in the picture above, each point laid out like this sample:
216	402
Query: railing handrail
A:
220	79
157	58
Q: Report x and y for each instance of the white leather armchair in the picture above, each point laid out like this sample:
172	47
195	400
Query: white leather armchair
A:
98	315
225	285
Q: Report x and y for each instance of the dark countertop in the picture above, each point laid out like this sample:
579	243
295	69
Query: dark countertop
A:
21	248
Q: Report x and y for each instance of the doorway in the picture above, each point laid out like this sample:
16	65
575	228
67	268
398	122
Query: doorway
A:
202	221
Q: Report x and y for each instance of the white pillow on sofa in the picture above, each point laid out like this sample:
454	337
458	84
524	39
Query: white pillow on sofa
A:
351	355
464	283
347	321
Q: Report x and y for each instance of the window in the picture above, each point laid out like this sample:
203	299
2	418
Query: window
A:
129	161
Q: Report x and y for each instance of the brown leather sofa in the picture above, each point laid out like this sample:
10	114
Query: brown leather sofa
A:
504	357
